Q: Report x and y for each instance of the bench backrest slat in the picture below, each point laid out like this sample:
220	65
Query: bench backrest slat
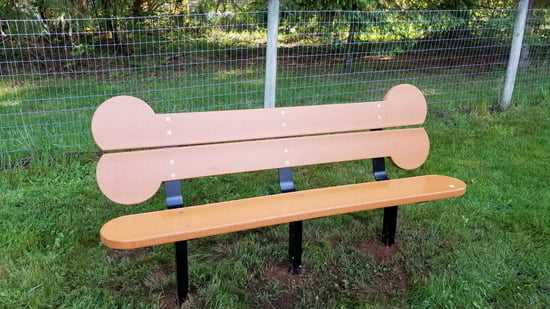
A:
133	177
127	123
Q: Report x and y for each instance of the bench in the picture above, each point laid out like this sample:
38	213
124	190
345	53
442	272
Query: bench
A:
142	150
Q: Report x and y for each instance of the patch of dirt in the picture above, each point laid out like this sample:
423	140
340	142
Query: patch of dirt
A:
378	251
284	300
168	300
158	283
282	275
287	282
132	254
388	284
390	278
156	278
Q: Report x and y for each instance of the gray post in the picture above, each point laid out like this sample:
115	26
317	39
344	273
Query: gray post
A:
515	52
271	53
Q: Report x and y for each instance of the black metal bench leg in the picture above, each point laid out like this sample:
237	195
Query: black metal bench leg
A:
174	199
286	182
182	271
295	247
389	226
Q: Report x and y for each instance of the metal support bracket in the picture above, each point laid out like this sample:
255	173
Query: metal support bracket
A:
174	197
286	182
295	229
379	169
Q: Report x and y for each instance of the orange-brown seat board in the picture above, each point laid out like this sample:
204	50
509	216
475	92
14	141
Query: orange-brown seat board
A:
166	226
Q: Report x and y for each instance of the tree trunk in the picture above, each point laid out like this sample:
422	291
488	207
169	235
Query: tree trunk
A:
524	56
353	27
137	8
111	26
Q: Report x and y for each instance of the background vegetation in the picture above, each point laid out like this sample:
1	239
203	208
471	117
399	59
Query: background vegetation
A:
53	9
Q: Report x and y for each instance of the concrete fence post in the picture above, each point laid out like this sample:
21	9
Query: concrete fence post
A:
271	53
515	53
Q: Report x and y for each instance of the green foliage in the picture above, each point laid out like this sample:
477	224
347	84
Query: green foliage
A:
338	5
55	9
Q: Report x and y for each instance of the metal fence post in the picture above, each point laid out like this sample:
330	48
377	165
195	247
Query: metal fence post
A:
271	53
515	52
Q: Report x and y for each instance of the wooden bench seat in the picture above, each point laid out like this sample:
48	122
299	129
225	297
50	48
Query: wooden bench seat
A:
143	150
167	226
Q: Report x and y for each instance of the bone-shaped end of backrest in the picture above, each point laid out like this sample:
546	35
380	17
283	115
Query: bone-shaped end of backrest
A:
128	185
410	150
119	118
410	97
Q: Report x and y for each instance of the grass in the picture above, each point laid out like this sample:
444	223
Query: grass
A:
488	249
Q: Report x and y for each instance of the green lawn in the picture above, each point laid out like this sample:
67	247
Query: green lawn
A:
488	249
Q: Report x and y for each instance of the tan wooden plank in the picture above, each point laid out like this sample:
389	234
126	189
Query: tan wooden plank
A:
133	177
161	227
126	122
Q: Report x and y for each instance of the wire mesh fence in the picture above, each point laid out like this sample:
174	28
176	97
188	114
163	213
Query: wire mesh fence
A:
458	58
54	73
